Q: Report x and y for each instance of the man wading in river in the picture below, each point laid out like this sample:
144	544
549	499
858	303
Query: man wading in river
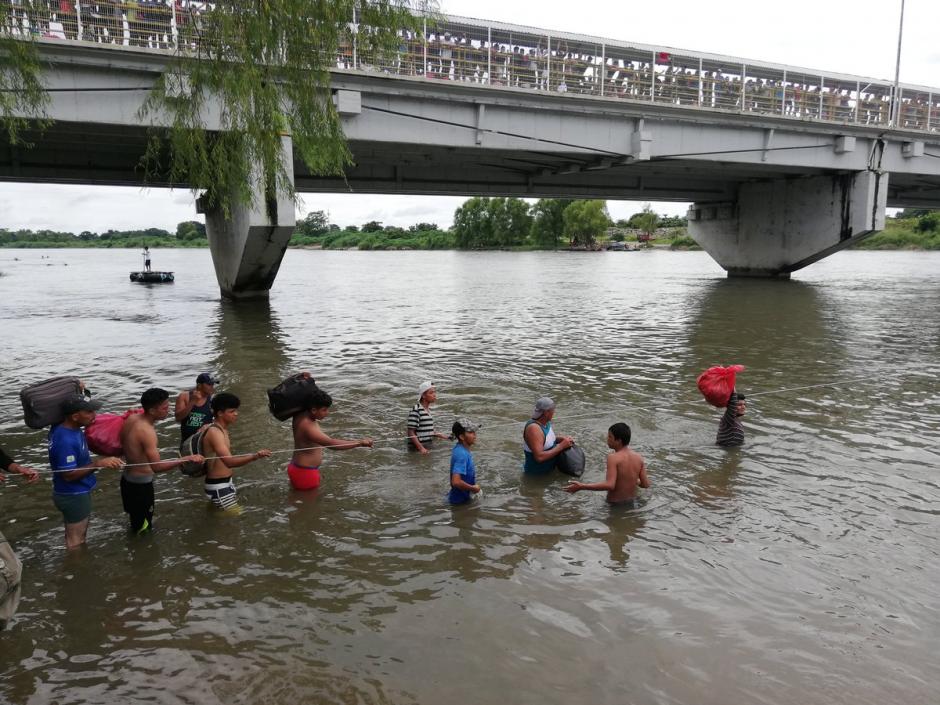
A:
139	440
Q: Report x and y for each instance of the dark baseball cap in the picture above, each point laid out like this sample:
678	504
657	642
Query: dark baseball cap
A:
207	378
78	403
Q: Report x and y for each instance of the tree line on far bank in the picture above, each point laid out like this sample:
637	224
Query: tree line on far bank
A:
189	233
479	223
494	223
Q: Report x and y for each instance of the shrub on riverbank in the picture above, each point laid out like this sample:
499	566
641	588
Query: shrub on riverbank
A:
683	242
921	233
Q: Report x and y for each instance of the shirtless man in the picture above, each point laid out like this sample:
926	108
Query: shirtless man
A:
139	441
304	468
626	470
216	446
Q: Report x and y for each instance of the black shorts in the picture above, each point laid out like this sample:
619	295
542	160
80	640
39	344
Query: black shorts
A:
138	503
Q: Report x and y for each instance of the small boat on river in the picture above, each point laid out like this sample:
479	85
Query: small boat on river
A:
152	277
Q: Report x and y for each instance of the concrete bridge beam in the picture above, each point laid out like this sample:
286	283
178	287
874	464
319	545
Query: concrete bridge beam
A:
248	245
778	226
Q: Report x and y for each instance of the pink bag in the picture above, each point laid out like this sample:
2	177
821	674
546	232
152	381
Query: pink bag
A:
717	383
104	435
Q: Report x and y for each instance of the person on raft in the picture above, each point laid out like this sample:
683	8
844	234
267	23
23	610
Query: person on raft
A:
539	443
310	440
626	470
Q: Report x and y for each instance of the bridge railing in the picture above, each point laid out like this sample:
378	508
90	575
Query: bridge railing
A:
496	54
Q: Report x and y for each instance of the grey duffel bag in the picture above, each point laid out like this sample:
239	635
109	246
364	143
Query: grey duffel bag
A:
42	402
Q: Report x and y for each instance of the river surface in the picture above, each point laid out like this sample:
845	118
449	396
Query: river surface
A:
801	568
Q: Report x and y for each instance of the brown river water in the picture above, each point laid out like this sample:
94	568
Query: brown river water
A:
801	568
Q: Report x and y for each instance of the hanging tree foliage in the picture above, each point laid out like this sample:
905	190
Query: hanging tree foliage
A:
266	65
22	98
261	65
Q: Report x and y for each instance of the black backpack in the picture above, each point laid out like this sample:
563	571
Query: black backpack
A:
290	396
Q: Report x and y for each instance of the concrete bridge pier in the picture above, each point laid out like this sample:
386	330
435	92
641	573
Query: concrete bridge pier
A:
248	246
776	227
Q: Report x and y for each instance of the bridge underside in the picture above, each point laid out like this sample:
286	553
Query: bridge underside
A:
76	153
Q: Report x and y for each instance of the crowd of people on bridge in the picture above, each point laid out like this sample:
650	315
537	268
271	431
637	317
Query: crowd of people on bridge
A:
480	54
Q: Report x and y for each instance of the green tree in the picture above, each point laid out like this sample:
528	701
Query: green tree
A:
548	221
471	223
373	226
266	64
510	222
646	222
314	223
585	221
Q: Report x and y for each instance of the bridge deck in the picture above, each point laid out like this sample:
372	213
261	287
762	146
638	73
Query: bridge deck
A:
488	53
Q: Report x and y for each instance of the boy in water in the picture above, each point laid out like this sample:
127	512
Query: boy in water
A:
216	446
626	470
463	473
730	429
310	440
139	440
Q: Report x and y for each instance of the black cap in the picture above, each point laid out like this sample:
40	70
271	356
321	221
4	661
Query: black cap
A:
206	378
77	403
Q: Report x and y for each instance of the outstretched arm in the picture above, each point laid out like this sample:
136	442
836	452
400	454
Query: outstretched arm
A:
215	439
317	436
607	485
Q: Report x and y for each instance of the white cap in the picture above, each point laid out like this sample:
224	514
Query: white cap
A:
425	386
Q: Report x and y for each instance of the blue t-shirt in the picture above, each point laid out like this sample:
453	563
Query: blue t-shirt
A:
461	463
68	450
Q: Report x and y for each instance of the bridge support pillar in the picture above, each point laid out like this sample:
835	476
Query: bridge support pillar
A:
777	227
248	245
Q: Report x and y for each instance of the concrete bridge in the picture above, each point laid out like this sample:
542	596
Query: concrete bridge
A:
784	165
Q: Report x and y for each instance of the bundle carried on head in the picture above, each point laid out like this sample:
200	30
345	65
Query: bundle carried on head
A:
291	396
717	383
42	402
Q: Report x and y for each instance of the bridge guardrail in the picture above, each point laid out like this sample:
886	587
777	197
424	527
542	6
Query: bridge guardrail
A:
490	53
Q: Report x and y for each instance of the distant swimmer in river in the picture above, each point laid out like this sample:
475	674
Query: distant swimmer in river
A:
626	470
310	440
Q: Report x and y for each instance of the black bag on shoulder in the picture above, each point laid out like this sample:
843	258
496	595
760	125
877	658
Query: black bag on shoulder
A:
571	462
42	402
290	396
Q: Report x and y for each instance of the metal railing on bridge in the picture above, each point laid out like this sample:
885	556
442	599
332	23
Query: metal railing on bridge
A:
496	54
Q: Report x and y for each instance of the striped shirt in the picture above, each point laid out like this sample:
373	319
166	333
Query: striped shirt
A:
730	430
420	421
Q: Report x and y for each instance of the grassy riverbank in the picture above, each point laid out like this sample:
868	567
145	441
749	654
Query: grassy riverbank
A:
905	234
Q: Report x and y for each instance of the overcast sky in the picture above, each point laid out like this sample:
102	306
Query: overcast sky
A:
847	36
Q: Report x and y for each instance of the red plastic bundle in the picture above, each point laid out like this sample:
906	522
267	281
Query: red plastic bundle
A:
717	383
104	435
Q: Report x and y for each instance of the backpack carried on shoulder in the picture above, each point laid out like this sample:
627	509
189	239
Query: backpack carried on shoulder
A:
193	446
290	396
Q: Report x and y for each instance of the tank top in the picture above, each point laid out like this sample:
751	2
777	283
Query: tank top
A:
532	466
198	417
